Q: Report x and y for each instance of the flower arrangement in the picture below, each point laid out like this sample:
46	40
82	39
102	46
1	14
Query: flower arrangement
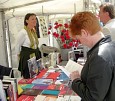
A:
61	34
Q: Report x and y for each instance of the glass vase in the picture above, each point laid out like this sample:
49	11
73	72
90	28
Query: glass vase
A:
64	53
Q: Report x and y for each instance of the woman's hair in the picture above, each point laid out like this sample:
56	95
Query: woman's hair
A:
27	16
84	20
108	7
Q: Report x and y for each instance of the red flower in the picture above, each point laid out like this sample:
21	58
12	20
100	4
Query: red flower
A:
67	37
71	44
66	25
62	36
54	34
56	23
60	25
64	45
50	27
57	35
76	44
63	31
48	32
56	26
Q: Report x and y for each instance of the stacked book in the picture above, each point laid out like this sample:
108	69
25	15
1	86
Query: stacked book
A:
8	89
50	85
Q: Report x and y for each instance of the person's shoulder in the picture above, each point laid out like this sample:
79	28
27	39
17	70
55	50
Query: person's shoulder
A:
21	33
110	23
22	30
106	31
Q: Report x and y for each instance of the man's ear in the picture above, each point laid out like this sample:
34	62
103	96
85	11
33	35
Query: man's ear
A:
84	32
107	13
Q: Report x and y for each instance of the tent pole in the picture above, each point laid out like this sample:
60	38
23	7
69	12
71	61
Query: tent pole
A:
42	10
74	8
3	41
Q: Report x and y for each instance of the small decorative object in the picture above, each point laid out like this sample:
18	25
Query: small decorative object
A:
65	42
65	53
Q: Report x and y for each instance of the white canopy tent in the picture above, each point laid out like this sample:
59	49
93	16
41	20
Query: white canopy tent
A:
44	7
13	11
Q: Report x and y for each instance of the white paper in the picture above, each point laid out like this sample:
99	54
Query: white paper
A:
70	67
64	70
40	98
72	98
69	98
73	66
2	92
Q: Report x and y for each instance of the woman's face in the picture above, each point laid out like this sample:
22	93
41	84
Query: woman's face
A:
31	21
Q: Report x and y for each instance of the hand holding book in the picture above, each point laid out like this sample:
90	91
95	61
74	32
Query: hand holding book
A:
74	75
70	67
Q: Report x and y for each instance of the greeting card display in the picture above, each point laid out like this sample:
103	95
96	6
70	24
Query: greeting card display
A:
43	27
40	64
33	67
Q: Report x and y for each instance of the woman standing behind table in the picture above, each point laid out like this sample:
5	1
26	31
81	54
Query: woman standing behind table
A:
27	44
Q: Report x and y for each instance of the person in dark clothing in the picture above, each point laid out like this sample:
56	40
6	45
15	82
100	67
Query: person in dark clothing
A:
37	28
97	79
6	71
27	44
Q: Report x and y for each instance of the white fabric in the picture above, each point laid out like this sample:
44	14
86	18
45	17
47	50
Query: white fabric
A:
109	28
22	40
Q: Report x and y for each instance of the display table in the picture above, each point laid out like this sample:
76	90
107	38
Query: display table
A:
49	85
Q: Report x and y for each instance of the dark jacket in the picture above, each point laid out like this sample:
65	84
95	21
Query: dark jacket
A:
98	75
6	71
24	57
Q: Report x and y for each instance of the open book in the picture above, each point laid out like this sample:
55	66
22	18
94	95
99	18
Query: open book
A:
70	67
